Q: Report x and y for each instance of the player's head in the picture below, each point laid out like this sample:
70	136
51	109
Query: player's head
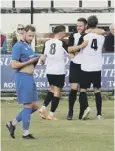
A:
92	21
60	31
29	33
81	25
112	29
20	29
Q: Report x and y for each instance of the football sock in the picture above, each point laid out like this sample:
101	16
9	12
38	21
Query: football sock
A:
54	103
83	103
48	99
98	100
25	132
72	99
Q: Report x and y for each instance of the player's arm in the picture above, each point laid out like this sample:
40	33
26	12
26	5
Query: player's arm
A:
36	62
42	59
81	44
96	30
76	48
17	65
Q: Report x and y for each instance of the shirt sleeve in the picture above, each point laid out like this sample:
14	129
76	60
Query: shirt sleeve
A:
65	46
16	52
81	39
71	40
86	37
43	49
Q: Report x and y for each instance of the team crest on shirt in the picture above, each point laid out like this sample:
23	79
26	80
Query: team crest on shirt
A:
26	48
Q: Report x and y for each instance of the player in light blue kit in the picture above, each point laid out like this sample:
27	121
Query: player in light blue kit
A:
24	61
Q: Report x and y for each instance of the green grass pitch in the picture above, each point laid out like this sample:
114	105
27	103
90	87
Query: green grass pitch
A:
61	135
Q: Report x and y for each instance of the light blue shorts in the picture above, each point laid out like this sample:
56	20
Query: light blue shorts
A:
26	88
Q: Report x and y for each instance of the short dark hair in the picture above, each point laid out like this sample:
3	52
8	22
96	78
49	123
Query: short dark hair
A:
82	20
92	21
58	29
29	27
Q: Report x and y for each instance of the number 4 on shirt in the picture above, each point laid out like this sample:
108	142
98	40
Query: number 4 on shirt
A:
94	44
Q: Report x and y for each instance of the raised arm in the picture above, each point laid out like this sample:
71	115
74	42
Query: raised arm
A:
77	48
96	30
81	44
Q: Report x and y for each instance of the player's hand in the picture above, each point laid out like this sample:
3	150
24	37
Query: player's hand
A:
42	59
71	55
73	49
42	62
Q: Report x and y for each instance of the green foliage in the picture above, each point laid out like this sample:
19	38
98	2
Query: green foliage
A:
39	46
11	38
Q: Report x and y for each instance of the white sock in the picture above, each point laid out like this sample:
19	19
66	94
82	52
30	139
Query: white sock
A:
25	132
14	122
43	108
51	113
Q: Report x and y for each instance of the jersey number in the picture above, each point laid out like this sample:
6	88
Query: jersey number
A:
94	44
52	49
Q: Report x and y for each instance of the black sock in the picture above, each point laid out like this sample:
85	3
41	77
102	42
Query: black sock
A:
72	99
34	110
98	100
48	99
83	101
54	103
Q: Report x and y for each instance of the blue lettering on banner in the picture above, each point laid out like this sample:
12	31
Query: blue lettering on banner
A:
8	75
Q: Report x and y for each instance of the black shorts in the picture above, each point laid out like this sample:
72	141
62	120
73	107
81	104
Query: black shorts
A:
88	78
74	73
56	80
